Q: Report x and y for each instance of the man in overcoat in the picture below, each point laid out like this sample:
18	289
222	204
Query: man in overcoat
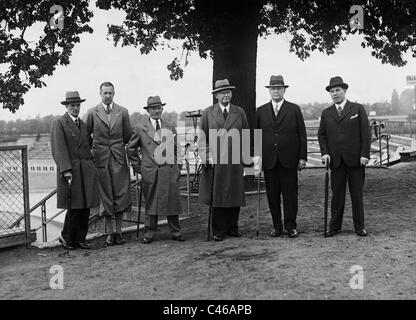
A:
222	183
109	125
344	139
71	150
284	153
156	141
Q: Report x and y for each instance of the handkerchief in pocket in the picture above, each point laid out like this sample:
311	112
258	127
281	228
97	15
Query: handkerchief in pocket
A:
354	116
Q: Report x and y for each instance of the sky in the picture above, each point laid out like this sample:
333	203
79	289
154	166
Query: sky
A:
136	77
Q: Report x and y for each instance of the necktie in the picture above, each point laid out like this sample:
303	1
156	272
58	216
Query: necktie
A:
225	113
157	125
77	122
277	110
339	110
108	109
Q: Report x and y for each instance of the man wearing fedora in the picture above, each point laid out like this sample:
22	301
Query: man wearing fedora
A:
284	153
344	139
158	166
221	182
71	150
109	125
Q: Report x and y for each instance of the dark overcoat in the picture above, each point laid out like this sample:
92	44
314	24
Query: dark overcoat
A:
158	165
71	150
228	181
347	137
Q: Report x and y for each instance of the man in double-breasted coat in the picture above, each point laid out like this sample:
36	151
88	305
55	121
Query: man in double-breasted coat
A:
344	139
159	169
222	183
109	124
284	153
71	150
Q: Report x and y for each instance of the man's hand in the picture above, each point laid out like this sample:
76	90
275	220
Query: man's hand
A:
326	159
68	176
364	161
301	165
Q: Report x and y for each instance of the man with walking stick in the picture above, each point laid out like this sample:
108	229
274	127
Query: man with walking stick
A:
76	174
344	139
221	183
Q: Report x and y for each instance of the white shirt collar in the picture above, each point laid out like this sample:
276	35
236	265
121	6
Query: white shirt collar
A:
105	106
342	105
277	104
224	107
153	122
72	117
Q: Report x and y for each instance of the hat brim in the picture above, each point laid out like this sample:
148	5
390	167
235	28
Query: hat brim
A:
278	86
342	85
223	89
72	101
156	105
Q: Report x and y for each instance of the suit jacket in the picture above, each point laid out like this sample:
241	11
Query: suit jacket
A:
158	167
346	137
109	136
285	139
228	180
71	150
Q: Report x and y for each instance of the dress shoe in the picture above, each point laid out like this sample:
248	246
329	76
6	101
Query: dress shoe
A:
118	240
82	245
178	238
362	233
65	244
234	234
147	240
331	233
276	233
110	240
217	238
292	233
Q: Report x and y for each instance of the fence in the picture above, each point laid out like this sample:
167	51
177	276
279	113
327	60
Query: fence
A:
14	197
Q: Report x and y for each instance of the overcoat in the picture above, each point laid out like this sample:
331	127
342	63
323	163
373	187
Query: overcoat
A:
158	165
71	150
347	137
227	186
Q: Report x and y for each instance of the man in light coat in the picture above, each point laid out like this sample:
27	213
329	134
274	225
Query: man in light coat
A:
109	125
159	169
71	150
222	182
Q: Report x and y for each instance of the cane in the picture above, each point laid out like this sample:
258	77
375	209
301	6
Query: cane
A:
258	203
139	206
211	203
326	197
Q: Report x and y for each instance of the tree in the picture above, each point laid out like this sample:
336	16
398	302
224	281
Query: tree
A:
227	32
395	102
24	62
406	101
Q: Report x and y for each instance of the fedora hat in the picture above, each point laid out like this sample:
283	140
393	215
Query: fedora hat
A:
336	82
154	101
71	97
221	85
276	81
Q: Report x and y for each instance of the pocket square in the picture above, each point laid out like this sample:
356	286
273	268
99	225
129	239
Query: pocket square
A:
354	116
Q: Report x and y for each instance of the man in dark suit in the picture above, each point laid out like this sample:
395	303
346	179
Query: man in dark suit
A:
284	153
109	124
344	139
222	183
71	150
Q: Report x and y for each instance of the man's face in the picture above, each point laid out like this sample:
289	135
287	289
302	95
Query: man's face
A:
224	97
337	94
155	112
277	93
107	94
73	109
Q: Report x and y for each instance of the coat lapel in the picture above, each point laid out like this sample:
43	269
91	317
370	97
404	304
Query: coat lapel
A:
282	113
71	124
345	111
149	129
218	116
271	116
115	115
102	115
231	118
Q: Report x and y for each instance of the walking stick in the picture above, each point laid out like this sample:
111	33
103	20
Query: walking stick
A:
139	206
258	203
326	198
211	203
